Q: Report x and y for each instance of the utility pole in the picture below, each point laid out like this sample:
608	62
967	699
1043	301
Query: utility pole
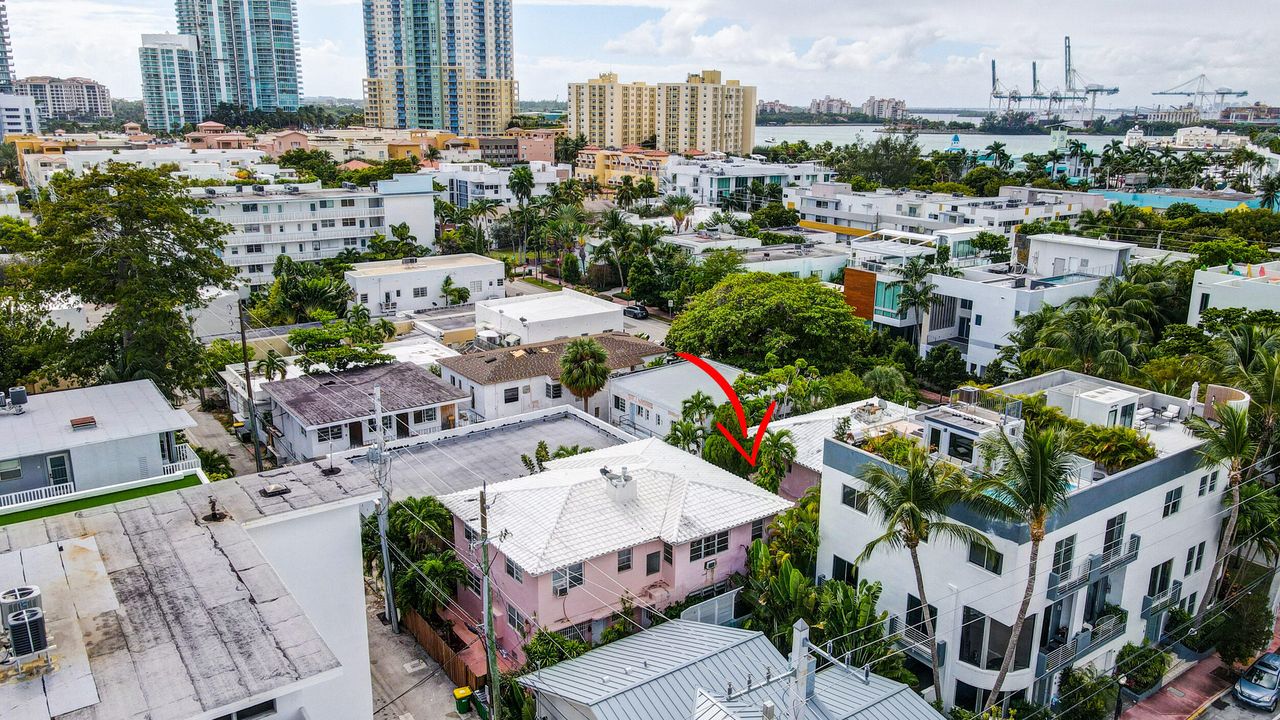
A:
490	642
382	473
248	384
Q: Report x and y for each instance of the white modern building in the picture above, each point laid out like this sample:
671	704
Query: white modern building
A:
645	403
173	90
711	182
837	208
62	445
160	608
976	311
545	316
885	108
465	182
9	206
1130	544
392	287
309	223
1252	287
18	115
313	416
526	378
66	98
197	164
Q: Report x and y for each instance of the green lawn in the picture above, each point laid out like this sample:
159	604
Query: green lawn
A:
544	284
98	500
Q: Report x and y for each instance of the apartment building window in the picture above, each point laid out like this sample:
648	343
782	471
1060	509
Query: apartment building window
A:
468	533
350	242
1213	481
255	268
1204	301
348	202
348	222
253	712
1063	553
375	202
420	292
983	641
757	530
619	404
249	207
425	415
666	553
915	614
514	571
10	470
1160	577
652	563
253	248
474	583
708	546
986	558
253	228
511	395
966	304
326	204
1204	486
554	390
624	560
844	571
1172	502
1199	556
854	498
328	223
364	298
977	319
1113	538
329	434
516	620
562	580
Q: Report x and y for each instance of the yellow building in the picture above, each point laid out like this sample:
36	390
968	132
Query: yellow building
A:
609	166
703	113
488	104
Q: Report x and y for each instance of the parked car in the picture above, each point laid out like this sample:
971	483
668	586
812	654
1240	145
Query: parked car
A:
1260	685
639	312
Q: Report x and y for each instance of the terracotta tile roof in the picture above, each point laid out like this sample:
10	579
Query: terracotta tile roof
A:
529	361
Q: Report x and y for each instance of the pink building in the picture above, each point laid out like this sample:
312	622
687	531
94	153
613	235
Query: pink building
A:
282	142
211	135
641	520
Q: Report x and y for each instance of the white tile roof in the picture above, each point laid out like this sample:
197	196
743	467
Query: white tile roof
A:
809	431
566	515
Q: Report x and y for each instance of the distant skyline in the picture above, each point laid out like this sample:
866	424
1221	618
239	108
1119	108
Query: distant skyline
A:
928	52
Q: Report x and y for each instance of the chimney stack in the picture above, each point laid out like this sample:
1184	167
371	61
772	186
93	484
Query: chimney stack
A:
768	711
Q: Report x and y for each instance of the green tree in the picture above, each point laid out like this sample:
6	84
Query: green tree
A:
686	436
570	271
1085	339
426	586
29	340
1226	442
1212	253
454	294
130	239
697	408
759	320
271	366
1084	694
584	368
681	207
886	381
777	452
775	215
910	504
546	648
337	345
943	368
1033	480
521	185
1246	628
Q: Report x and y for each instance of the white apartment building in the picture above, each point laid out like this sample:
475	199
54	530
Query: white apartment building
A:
836	208
308	222
197	164
710	182
828	105
976	311
66	98
515	380
465	182
1141	539
885	108
526	319
173	90
645	403
1205	137
392	287
18	115
704	113
9	206
1252	287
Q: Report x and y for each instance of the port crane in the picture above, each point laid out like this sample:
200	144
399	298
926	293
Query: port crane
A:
1206	96
1075	95
1076	84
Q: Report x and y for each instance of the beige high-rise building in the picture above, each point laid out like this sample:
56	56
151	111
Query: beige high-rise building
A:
703	113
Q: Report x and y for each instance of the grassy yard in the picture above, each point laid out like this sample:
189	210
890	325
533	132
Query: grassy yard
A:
98	500
544	284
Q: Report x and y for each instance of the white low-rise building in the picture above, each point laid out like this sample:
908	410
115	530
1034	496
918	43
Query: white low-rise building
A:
545	316
835	207
1252	287
198	164
391	287
645	403
712	182
513	380
465	182
1129	544
307	222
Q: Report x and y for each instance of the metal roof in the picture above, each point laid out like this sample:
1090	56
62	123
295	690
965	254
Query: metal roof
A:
121	411
670	385
348	395
681	669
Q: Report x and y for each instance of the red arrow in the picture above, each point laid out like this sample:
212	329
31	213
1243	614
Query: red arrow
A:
737	408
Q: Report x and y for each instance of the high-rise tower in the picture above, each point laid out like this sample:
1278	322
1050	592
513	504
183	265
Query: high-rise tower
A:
248	51
6	53
439	64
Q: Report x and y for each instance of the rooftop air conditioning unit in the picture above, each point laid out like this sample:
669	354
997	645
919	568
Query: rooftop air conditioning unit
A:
260	189
210	192
348	186
27	632
18	599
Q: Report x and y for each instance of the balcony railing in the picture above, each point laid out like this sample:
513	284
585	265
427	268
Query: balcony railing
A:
1093	568
184	460
913	639
43	493
1081	644
1158	603
1058	657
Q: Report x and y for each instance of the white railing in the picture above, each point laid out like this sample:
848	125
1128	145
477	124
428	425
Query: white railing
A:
43	493
912	636
184	459
1060	655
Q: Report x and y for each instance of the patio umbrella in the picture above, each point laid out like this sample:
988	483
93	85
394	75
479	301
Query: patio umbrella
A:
1195	393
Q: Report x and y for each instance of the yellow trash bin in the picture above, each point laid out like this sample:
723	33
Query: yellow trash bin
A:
462	699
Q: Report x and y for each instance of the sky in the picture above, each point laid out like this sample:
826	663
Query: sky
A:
932	53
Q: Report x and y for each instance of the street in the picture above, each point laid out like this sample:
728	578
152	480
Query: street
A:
407	683
209	433
1228	708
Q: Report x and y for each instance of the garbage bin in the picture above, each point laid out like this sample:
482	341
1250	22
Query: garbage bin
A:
462	700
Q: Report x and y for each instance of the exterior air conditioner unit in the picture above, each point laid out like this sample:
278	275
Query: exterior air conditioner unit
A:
560	591
709	565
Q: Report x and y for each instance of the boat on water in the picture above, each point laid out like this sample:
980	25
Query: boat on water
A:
771	141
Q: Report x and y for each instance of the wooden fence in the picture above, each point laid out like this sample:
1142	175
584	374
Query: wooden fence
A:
454	664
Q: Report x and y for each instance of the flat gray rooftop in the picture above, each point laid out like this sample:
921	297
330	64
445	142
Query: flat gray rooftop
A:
157	613
463	458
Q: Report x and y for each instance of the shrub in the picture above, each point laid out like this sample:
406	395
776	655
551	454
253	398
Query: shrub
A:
1083	694
1114	447
1142	665
891	446
1245	628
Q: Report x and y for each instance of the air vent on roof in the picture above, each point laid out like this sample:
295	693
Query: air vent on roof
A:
274	490
88	422
490	360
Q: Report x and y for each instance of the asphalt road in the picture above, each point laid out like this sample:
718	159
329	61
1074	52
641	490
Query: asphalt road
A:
1228	708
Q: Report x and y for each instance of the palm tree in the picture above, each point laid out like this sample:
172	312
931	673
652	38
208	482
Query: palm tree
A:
584	368
521	185
685	435
479	211
777	452
698	408
1270	190
681	207
1032	480
271	366
915	293
1226	442
384	329
1087	340
606	252
911	504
